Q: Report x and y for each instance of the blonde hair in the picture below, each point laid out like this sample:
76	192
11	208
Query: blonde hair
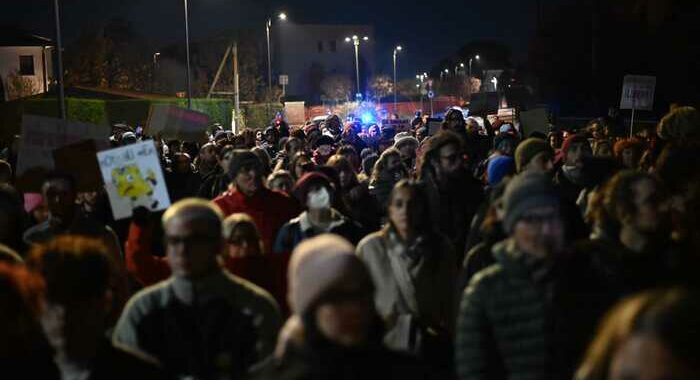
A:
245	222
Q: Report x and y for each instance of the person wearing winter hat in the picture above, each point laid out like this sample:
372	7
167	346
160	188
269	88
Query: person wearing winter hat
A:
247	194
407	146
315	191
534	154
492	335
334	331
569	177
499	167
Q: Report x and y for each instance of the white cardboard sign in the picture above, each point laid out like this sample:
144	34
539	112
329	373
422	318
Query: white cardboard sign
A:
638	93
133	177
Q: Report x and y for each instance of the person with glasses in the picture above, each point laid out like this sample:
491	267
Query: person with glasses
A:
202	322
522	317
454	194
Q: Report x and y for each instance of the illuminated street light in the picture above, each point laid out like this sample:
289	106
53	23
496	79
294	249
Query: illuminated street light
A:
394	89
470	63
356	42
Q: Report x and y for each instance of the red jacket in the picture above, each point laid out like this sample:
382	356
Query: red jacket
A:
269	209
266	271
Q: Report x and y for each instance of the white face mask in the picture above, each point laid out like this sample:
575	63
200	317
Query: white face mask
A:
318	199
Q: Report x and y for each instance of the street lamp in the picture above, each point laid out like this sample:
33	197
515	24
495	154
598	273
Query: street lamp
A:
59	51
282	17
396	50
187	53
356	42
470	63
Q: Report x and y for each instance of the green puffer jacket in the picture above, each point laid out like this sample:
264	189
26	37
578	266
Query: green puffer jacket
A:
520	319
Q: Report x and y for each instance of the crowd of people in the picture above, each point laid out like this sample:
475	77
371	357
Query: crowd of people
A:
336	250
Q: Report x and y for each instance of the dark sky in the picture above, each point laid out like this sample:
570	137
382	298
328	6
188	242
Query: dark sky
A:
428	30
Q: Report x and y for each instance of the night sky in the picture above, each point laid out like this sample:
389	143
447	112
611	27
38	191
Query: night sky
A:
428	30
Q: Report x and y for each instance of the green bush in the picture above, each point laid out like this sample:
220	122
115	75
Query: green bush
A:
96	111
257	116
136	111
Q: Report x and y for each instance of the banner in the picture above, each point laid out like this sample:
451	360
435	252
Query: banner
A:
41	136
133	177
638	93
177	123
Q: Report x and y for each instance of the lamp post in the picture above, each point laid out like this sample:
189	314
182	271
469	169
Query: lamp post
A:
282	16
59	58
470	63
396	50
155	67
356	42
187	53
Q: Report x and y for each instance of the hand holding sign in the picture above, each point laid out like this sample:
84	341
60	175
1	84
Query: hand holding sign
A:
133	177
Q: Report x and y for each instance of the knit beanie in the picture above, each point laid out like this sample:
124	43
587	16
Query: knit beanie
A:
240	158
498	168
318	265
528	149
524	192
404	138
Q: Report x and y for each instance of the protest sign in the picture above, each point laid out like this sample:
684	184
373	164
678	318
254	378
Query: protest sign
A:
133	177
177	123
41	136
80	158
534	120
638	93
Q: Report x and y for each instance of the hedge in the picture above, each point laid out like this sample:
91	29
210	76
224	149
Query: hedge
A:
96	111
257	116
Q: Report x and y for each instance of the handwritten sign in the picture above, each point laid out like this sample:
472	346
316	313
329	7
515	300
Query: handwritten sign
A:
133	177
638	92
177	123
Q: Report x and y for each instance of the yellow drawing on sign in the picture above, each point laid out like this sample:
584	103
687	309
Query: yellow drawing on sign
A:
130	183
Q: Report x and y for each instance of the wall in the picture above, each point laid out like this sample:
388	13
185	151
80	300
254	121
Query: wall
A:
9	63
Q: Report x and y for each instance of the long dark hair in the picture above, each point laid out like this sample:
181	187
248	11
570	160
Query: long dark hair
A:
419	216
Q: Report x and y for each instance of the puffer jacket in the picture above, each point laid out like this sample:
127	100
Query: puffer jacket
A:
523	318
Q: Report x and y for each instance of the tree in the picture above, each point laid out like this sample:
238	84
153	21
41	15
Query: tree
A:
336	88
109	56
381	86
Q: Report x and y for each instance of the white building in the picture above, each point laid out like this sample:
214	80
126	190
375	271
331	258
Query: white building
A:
25	64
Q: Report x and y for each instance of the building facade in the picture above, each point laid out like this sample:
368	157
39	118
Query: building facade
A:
25	64
309	54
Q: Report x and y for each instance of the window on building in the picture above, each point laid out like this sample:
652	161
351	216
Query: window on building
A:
320	46
332	46
26	65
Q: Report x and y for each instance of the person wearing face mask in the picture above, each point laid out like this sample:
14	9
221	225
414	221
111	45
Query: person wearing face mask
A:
315	192
415	270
